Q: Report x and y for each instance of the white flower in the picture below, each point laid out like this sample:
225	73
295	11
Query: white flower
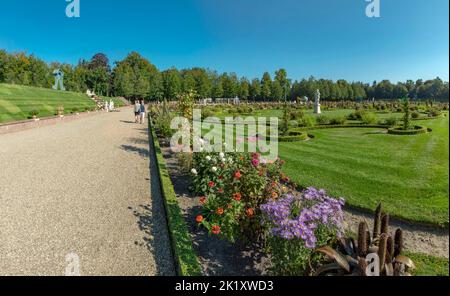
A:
194	172
214	169
224	160
208	158
222	155
230	160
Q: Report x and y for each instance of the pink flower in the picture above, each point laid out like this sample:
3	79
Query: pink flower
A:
255	162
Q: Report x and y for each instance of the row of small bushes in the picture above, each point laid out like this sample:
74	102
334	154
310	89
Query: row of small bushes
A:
74	110
183	251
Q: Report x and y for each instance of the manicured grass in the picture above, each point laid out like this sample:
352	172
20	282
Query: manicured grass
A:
16	102
408	174
429	265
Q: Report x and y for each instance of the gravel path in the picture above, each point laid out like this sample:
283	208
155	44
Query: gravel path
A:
81	187
417	238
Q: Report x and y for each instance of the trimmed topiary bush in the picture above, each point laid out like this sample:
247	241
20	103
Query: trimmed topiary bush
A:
340	120
369	118
322	120
400	131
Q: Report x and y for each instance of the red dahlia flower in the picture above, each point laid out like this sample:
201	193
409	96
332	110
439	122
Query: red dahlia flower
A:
250	212
215	229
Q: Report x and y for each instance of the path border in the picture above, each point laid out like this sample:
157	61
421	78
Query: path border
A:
186	260
22	125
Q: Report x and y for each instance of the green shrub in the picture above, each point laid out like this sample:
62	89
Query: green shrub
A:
391	121
162	124
340	120
401	131
293	124
206	112
415	115
296	114
369	118
434	113
357	115
307	121
322	120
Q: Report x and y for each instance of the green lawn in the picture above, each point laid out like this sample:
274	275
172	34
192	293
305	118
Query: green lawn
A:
409	174
17	101
429	265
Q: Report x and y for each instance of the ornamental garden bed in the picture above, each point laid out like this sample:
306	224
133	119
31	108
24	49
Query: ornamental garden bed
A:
258	243
417	130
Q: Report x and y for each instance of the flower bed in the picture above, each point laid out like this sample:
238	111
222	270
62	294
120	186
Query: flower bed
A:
245	201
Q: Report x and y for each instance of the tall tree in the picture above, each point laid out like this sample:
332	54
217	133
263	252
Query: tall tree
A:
171	83
255	89
266	86
244	89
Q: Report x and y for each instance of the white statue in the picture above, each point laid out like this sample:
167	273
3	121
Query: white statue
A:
317	103
111	105
106	106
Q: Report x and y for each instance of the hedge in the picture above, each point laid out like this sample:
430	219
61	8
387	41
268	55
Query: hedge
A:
301	129
186	260
416	131
291	138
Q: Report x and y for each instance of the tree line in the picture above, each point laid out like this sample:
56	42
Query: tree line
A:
135	77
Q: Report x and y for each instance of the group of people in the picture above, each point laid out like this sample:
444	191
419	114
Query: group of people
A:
139	112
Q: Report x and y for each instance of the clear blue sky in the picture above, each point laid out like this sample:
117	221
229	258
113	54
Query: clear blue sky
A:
325	38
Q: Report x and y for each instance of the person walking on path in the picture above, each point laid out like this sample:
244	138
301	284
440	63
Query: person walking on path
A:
137	111
142	112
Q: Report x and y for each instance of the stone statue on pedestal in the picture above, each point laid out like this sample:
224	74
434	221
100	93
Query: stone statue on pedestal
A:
317	103
59	79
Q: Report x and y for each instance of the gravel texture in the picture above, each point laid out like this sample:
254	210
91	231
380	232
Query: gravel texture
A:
417	238
81	187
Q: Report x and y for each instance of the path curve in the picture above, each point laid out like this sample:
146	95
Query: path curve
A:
81	187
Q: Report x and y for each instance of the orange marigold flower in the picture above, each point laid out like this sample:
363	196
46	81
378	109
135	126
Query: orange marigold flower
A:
215	229
199	219
274	194
250	212
202	200
219	211
230	206
238	175
237	197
